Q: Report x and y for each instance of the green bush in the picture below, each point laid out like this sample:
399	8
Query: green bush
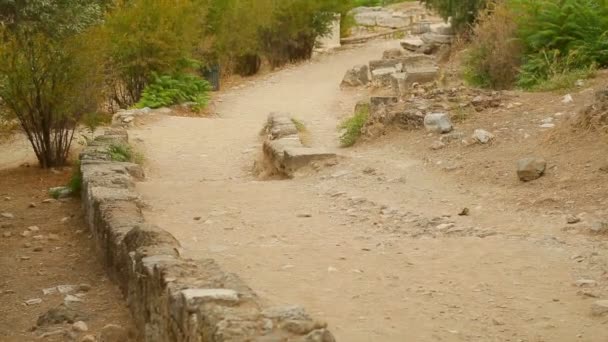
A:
561	39
169	90
352	126
146	37
75	182
462	12
121	153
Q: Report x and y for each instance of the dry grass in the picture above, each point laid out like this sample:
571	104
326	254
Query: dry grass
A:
495	55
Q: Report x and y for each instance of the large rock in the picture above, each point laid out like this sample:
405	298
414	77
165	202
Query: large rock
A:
412	44
357	76
599	308
421	74
438	123
482	136
383	77
529	169
386	63
399	84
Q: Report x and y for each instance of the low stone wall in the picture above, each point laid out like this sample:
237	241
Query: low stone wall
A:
284	150
173	298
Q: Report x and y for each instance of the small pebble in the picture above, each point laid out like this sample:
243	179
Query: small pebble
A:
7	215
80	326
33	228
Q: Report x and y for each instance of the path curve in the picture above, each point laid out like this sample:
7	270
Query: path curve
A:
368	260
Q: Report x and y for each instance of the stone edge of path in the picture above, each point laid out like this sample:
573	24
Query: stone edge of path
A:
283	148
173	298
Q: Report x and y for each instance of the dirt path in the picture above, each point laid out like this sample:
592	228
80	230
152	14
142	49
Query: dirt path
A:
373	245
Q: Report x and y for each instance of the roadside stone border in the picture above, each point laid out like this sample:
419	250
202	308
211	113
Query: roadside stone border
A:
284	149
172	298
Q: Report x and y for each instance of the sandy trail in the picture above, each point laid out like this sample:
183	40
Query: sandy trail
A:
368	260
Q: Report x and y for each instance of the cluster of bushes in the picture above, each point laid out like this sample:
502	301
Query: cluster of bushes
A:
538	44
63	60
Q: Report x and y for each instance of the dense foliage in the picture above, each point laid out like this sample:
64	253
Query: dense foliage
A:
546	44
462	12
165	91
50	74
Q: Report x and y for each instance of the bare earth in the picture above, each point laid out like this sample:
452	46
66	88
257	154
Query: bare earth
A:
370	259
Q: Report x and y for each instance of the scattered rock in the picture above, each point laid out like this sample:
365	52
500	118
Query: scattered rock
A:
567	99
7	215
7	234
369	171
197	218
49	200
393	53
60	192
465	212
452	136
599	308
38	249
604	168
88	338
33	228
600	227
585	283
572	219
65	219
53	237
84	287
529	169
8	198
437	145
61	314
438	123
357	76
32	205
547	125
26	233
113	333
80	326
482	136
34	301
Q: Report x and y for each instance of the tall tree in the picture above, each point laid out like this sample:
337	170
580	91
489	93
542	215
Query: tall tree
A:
49	72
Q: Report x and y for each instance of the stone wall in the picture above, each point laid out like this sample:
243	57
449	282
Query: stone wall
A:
173	298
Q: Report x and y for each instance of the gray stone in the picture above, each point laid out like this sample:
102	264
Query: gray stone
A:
33	301
399	84
482	136
396	64
195	297
321	335
61	314
60	192
599	308
437	145
585	283
7	215
412	44
290	312
571	219
80	326
88	338
357	76
529	169
600	227
452	136
438	123
434	38
421	74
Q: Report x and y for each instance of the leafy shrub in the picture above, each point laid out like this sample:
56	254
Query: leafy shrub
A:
147	37
494	55
352	126
462	12
121	153
169	90
75	182
561	39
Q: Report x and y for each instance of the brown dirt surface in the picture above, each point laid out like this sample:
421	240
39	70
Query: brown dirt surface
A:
59	253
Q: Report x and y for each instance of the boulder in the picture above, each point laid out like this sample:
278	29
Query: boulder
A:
529	169
399	84
412	44
383	77
438	123
385	63
482	136
357	76
421	74
599	308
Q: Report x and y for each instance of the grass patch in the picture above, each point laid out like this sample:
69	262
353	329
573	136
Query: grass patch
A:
120	153
352	126
75	182
565	80
303	132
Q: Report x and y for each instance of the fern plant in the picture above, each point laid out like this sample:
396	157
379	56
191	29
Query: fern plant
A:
170	90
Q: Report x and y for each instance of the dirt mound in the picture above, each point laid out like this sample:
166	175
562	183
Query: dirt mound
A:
595	116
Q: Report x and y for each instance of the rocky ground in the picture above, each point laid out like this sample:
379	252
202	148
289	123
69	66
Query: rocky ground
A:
397	241
52	284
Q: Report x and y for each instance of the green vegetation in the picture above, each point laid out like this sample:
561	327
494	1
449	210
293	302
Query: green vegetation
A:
353	126
75	182
538	44
121	153
165	91
462	12
299	125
